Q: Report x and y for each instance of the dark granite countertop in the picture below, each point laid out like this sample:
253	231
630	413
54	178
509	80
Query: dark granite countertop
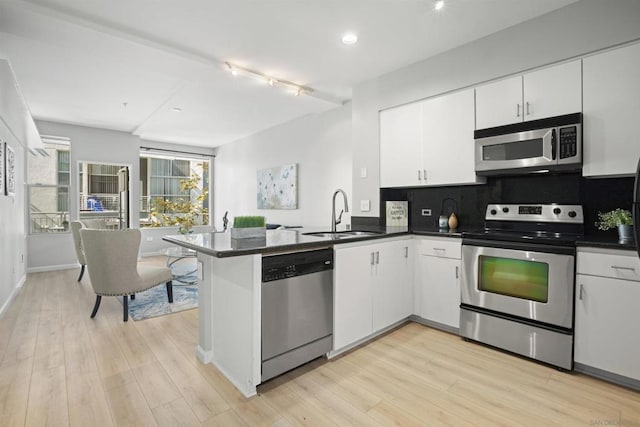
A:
606	241
458	232
221	245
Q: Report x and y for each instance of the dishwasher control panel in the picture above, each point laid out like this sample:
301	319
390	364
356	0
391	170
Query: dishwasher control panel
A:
284	266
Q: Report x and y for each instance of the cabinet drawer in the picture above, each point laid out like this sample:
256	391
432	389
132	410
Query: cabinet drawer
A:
443	247
615	264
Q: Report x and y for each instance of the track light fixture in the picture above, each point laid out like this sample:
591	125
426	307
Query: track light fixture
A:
294	88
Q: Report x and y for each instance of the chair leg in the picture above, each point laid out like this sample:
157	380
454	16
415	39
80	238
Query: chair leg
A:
81	272
133	296
170	291
96	306
125	306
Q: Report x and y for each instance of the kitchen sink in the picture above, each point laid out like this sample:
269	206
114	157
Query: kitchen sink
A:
342	234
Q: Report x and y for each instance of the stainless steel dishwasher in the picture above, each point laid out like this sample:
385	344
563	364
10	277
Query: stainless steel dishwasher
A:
297	309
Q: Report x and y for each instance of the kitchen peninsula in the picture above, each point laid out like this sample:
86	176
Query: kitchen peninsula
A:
230	292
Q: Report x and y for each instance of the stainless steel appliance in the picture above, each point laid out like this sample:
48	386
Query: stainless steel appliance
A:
518	281
297	309
552	144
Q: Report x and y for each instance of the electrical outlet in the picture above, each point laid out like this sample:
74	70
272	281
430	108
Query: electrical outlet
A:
426	212
149	238
365	205
363	172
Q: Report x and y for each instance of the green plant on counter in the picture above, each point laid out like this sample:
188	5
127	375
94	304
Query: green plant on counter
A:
248	221
614	218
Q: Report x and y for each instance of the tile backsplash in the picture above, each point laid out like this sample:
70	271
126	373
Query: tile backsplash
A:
595	195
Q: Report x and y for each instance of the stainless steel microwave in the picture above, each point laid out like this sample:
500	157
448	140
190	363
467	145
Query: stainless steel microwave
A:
546	145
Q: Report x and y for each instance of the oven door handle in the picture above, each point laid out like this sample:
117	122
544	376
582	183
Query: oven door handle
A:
519	246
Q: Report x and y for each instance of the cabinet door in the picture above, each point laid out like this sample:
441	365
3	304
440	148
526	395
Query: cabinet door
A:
393	283
606	333
448	144
611	112
499	103
553	91
401	146
353	274
440	290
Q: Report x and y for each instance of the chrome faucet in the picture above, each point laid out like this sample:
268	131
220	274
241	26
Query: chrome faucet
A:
334	221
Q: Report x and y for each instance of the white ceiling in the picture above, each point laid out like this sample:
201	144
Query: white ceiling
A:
79	61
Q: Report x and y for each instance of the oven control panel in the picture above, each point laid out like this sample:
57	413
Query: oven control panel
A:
535	213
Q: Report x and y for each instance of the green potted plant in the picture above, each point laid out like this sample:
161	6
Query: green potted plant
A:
248	227
617	218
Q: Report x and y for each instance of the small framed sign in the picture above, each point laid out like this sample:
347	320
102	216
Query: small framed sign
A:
9	170
397	214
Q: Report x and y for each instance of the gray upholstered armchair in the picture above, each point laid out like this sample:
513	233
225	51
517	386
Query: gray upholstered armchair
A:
112	258
77	244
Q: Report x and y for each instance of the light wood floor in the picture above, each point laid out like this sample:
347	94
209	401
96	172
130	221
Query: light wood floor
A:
58	367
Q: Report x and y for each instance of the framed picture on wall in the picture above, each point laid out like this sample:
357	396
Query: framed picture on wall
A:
2	178
9	170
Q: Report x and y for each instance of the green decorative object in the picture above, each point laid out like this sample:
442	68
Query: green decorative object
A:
249	227
620	219
613	219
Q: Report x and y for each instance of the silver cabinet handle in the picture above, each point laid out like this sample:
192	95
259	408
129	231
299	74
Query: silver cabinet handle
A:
377	257
457	273
517	110
419	176
406	251
528	112
615	267
372	258
424	175
581	291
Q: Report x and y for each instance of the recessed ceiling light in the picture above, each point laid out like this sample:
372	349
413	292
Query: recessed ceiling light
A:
438	5
349	38
176	110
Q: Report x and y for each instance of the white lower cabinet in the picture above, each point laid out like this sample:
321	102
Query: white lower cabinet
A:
438	286
373	288
607	336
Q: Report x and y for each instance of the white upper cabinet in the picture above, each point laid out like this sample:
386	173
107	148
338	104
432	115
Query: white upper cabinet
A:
448	144
499	103
401	145
429	142
547	92
611	111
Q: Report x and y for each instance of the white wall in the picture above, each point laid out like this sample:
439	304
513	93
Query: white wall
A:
319	144
55	250
578	29
12	228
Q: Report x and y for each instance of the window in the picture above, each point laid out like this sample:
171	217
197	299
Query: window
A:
104	193
172	188
48	178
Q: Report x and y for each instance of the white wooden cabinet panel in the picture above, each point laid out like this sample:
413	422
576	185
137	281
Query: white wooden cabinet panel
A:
611	110
614	264
448	144
443	247
607	336
547	92
440	290
553	91
393	284
499	103
353	275
401	145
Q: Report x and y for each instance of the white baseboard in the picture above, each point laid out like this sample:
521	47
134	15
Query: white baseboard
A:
12	296
150	254
52	268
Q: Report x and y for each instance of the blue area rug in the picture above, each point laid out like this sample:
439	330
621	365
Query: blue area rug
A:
154	303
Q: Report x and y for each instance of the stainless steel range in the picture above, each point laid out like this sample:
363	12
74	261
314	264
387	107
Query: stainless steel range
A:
518	280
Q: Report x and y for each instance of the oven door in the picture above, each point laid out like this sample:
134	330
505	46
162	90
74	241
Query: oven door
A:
516	151
531	282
